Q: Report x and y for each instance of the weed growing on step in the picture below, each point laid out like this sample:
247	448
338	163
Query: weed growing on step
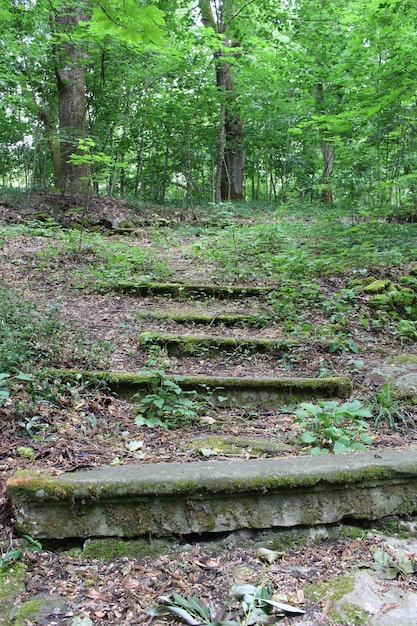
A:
166	404
15	554
258	605
333	427
388	408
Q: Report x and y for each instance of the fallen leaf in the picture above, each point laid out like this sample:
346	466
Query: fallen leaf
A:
268	555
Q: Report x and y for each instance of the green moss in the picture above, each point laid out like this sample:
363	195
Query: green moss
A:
405	358
117	548
27	609
27	485
236	445
410	281
37	611
332	591
191	317
128	383
381	301
377	286
12	584
180	290
25	452
190	344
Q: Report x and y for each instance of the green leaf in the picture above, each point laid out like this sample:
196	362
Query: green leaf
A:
307	437
340	448
287	608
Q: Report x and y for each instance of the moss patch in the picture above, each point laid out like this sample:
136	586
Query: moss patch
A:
334	590
116	548
12	583
228	444
38	610
377	286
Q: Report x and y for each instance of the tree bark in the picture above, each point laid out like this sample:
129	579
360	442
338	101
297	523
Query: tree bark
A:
70	75
229	178
327	150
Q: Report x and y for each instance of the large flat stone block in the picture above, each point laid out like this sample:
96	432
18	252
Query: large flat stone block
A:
233	390
214	496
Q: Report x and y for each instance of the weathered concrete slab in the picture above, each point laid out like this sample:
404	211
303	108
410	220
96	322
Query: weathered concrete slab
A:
237	390
179	345
214	496
186	290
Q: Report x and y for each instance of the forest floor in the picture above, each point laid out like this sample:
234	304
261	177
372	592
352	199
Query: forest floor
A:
55	279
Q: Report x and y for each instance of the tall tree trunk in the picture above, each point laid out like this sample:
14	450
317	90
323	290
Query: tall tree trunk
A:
164	181
327	150
70	75
52	137
229	179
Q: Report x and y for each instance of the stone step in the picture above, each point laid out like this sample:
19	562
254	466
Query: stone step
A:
189	291
256	320
209	345
166	499
220	390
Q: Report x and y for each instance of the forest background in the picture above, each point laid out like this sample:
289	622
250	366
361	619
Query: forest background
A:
291	101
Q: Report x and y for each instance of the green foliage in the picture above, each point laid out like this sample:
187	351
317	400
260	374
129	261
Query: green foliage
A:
333	427
406	330
27	338
5	388
32	339
104	263
166	404
257	607
386	407
128	21
298	248
101	164
15	554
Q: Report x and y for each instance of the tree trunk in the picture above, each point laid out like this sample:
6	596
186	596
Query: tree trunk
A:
70	75
328	158
327	150
229	179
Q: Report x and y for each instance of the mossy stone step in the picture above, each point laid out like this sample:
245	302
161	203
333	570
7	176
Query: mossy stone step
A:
189	291
178	345
208	319
221	390
166	499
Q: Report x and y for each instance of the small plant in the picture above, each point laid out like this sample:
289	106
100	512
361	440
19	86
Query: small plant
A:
343	345
191	611
166	405
257	606
5	387
390	564
13	555
333	427
387	407
407	330
35	426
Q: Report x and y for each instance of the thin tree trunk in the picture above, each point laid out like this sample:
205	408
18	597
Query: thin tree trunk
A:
220	152
328	158
164	176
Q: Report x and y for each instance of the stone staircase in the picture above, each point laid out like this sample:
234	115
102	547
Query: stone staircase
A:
213	496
